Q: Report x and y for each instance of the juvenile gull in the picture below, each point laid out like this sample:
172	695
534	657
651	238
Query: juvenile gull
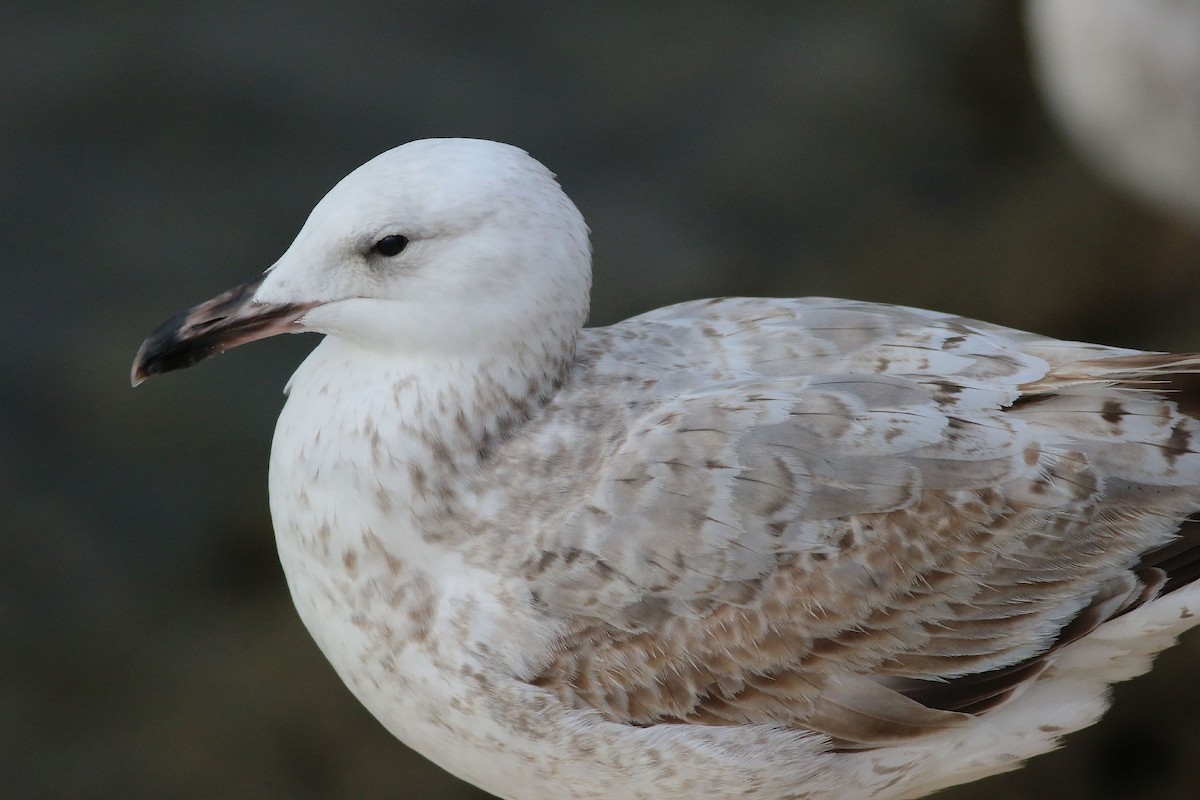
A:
766	548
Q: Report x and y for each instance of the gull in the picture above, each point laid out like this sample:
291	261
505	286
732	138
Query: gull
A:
765	548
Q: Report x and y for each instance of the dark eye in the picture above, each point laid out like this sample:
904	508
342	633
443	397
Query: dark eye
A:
390	245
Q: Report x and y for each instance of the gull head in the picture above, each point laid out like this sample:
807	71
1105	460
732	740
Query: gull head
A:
441	248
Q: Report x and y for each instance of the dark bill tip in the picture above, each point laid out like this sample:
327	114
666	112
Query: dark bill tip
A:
226	321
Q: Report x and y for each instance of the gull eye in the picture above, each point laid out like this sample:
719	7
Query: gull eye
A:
390	245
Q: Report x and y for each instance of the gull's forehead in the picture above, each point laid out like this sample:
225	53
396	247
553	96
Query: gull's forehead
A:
432	183
447	171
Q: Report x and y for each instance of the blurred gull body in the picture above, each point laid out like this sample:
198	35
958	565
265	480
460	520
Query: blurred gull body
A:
1123	79
772	548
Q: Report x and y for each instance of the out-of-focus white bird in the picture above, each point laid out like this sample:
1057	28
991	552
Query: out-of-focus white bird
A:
1123	79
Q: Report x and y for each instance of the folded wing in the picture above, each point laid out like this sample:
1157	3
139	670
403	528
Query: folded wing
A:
870	521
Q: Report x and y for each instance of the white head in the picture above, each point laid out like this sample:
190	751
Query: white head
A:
438	247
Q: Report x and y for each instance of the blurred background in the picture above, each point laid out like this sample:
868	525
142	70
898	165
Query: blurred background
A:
153	155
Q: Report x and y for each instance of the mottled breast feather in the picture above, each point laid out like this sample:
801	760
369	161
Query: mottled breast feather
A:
864	520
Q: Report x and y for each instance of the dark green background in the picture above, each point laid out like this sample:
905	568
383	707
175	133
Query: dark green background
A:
153	155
